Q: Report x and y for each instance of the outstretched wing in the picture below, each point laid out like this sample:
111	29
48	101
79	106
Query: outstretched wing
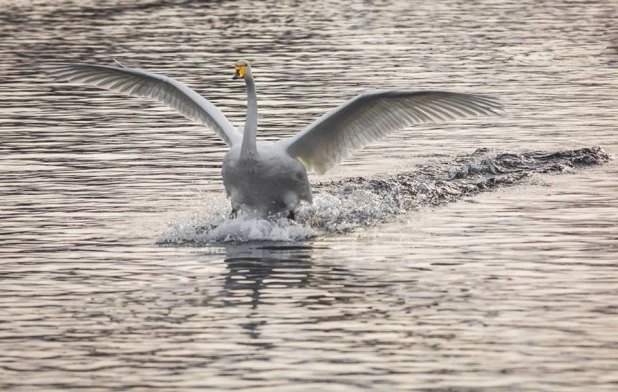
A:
139	83
374	114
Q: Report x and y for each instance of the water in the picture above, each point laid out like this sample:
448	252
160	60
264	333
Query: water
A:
512	289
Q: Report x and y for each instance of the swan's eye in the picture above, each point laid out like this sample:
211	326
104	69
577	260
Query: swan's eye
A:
240	70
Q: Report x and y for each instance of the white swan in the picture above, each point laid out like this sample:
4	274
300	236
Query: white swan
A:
271	177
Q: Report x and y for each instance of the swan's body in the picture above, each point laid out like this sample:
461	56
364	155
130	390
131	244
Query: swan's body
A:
271	178
272	182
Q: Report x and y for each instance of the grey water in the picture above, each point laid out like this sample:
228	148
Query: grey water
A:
401	277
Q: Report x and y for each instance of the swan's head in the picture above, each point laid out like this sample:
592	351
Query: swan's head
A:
242	68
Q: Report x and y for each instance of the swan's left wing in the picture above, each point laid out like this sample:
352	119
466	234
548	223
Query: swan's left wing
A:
137	82
374	114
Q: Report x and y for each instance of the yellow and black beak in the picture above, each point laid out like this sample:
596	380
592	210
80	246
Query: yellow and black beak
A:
240	72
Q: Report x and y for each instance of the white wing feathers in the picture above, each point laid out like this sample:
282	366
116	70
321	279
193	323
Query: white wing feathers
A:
372	115
139	83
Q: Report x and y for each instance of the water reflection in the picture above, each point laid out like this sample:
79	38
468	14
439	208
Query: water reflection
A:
513	291
612	52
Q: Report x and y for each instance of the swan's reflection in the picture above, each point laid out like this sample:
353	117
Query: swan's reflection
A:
263	281
289	272
253	267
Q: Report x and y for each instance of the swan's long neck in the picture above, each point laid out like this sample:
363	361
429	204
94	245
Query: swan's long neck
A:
249	147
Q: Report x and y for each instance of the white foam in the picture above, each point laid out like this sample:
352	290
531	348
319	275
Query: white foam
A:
204	229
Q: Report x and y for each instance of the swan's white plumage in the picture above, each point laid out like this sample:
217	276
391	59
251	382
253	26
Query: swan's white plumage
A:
374	114
269	177
139	83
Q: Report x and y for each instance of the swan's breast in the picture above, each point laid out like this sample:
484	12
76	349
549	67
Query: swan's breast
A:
271	181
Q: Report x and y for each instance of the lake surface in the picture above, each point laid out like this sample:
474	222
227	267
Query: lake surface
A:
509	290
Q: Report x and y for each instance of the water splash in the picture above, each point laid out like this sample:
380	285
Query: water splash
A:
341	206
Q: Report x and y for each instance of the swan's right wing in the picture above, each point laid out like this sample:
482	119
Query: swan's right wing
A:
136	82
373	115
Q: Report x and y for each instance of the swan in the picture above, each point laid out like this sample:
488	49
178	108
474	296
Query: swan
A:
270	178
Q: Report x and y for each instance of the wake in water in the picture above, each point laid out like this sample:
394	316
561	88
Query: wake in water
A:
340	206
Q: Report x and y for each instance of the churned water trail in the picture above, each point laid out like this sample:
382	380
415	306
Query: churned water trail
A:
343	205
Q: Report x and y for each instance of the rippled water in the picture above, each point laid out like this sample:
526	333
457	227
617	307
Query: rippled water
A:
514	289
